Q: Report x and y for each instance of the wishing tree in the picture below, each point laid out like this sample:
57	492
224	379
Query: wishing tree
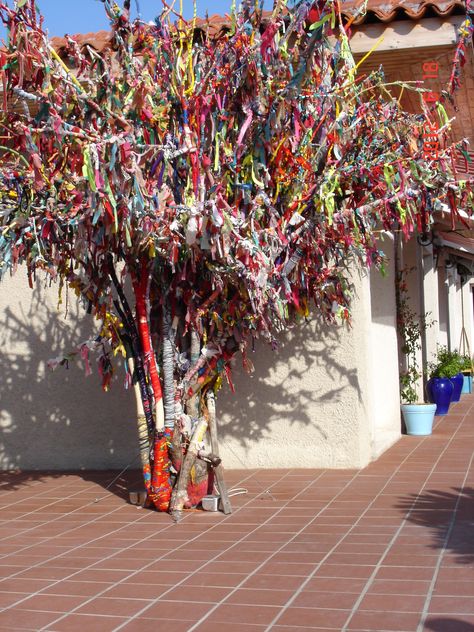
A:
199	192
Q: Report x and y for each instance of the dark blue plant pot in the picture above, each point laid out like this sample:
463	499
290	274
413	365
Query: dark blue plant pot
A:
440	390
458	381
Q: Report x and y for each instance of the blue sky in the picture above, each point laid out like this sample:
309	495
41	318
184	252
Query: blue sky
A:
82	16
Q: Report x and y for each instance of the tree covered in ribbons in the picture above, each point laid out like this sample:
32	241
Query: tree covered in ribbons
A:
200	192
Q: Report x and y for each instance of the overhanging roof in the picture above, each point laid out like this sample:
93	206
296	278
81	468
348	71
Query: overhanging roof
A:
388	10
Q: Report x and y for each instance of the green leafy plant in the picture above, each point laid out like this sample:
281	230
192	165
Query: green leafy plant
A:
410	327
447	364
466	364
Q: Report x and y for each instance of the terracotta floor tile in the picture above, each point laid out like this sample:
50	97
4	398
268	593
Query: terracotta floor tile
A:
181	611
119	607
73	588
299	628
261	597
393	603
234	613
341	570
335	584
314	617
9	598
155	625
452	605
457	573
453	587
51	603
209	594
399	587
336	600
17	619
389	621
406	573
216	626
410	560
275	582
221	580
287	568
86	623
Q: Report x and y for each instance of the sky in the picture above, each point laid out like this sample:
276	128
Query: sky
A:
83	16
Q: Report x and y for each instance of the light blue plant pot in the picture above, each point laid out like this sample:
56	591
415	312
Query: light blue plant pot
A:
467	385
418	418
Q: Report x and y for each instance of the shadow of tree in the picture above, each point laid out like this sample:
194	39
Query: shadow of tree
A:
114	481
434	510
278	387
443	624
58	419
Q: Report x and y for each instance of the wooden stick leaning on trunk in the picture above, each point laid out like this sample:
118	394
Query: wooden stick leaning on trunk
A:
143	436
180	491
219	470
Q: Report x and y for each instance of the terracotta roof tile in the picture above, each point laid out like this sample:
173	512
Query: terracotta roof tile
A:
100	40
381	10
388	10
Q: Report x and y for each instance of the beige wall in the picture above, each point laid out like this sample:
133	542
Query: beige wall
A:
383	362
310	404
55	419
327	398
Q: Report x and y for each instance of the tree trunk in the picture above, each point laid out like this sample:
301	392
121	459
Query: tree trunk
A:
219	470
143	435
168	367
180	492
192	406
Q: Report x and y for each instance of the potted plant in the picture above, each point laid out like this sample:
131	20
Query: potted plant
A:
418	416
446	367
466	370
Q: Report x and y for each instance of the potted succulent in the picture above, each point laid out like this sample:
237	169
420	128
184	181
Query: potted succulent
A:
418	416
446	379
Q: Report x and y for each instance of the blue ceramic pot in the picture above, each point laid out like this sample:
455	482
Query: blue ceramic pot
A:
467	384
440	390
458	381
418	418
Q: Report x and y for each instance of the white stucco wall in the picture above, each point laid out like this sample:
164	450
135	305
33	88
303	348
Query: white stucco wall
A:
309	404
383	371
328	398
58	419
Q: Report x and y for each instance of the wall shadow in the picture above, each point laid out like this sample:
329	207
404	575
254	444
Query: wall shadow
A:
56	421
434	510
279	387
115	482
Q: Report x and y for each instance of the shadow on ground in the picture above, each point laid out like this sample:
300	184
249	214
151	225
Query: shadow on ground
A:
443	624
434	509
114	482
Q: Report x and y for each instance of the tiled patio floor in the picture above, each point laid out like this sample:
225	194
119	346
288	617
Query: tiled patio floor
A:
390	547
